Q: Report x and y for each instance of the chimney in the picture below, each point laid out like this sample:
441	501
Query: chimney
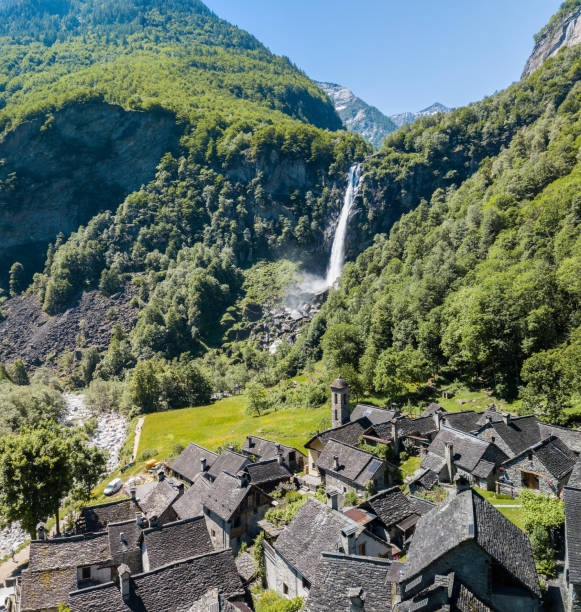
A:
243	479
395	436
449	455
160	476
279	454
154	520
124	578
203	464
333	500
437	419
506	418
41	531
356	599
250	442
348	539
122	538
133	493
140	520
335	463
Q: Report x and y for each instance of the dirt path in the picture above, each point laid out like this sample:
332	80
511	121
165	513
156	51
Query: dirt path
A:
13	568
138	429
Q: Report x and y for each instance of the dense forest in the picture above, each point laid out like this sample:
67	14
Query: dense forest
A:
465	242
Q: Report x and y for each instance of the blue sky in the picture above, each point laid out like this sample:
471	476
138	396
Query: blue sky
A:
399	55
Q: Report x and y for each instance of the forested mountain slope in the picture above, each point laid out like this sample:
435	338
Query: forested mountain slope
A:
175	62
482	280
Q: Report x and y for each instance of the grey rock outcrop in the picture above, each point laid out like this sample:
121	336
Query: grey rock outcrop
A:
565	32
408	117
58	171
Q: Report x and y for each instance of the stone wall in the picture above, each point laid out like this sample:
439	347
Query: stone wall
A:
513	471
280	574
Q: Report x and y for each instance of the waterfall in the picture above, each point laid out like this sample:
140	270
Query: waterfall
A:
338	249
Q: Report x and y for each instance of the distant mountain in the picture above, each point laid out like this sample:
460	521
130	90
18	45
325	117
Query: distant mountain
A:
357	115
408	117
368	121
564	30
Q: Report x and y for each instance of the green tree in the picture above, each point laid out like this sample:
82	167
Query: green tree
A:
256	402
41	466
143	391
342	345
17	282
18	373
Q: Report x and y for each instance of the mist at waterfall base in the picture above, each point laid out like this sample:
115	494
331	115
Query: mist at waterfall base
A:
311	285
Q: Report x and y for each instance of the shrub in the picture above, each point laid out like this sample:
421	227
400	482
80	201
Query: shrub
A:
273	602
351	498
177	449
148	453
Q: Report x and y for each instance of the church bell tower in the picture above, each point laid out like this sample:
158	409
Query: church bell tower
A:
340	412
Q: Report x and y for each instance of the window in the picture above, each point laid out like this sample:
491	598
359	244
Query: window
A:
306	584
362	549
292	456
493	439
284	588
530	456
344	489
213	533
86	573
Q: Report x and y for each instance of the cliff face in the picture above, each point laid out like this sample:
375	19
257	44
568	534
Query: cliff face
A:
565	32
357	115
57	172
408	117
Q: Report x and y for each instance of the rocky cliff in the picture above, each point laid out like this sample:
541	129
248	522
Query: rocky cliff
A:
58	171
408	117
357	115
563	31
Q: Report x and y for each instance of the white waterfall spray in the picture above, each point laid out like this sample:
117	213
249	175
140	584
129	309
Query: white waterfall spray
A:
338	250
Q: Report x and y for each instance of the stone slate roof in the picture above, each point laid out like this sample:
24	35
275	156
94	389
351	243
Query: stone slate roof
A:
420	506
131	539
571	437
466	421
433	463
315	528
574	481
519	434
469	451
171	588
465	517
175	541
89	549
161	497
338	573
573	533
421	426
348	433
213	601
246	566
354	464
226	495
189	504
427	479
46	589
228	461
382	431
97	517
390	506
267	471
266	449
553	454
373	413
188	464
339	383
445	593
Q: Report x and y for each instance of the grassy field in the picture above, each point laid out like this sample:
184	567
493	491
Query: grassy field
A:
225	422
501	503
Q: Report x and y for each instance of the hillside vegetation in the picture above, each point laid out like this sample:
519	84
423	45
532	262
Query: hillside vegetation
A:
481	281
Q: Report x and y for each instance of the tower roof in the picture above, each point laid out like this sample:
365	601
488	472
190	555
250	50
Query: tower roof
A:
339	383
